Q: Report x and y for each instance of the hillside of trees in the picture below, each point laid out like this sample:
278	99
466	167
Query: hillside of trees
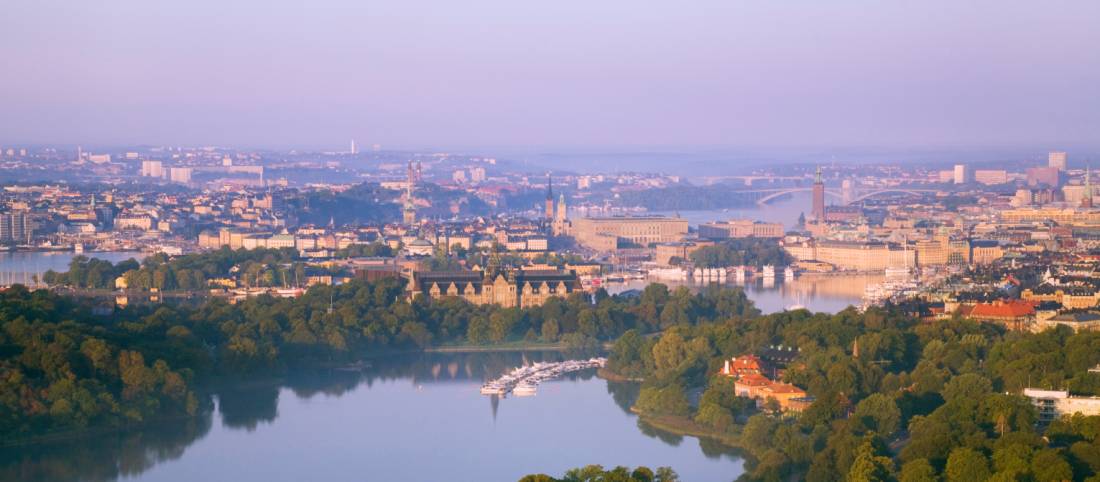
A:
63	367
922	401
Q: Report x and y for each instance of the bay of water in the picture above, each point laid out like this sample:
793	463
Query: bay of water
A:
818	293
411	418
830	293
22	266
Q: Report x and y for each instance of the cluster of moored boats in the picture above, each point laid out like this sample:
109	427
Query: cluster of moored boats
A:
524	381
737	273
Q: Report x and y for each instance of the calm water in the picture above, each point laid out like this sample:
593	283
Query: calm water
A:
817	293
22	266
417	418
828	294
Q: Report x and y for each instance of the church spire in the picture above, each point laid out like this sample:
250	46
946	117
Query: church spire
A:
549	213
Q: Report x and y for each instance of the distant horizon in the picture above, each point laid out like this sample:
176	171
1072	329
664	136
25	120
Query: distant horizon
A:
425	73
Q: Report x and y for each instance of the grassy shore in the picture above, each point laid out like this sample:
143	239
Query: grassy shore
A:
609	375
686	426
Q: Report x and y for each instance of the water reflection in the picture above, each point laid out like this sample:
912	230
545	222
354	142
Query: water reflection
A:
422	407
106	456
247	406
828	293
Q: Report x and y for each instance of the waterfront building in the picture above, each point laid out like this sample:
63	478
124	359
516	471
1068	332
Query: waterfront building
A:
740	228
607	233
853	255
16	227
510	288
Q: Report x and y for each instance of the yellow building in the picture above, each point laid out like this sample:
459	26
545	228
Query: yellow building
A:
606	234
1060	216
513	288
1069	298
741	228
942	250
853	255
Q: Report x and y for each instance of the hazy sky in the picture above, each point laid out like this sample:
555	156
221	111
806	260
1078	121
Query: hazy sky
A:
550	73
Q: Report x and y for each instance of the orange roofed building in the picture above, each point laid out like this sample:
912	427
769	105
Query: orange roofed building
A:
1013	314
751	382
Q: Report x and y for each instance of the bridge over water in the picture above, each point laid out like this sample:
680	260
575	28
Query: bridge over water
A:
768	195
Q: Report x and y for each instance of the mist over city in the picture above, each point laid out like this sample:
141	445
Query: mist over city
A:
559	241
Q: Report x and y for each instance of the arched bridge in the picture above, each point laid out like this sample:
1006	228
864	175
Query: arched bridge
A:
771	194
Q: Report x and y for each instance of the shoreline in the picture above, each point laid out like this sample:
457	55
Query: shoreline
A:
685	426
267	378
611	376
677	425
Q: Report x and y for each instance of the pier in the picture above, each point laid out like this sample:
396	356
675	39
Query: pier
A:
524	381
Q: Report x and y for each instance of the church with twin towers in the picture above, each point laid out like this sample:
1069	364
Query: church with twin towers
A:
556	218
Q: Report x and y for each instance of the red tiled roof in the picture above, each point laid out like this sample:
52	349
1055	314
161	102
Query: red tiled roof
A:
753	380
1003	309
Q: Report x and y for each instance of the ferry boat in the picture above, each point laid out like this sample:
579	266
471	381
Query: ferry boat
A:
897	273
668	273
492	389
525	389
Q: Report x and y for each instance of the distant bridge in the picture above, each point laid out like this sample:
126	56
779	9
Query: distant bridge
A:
772	194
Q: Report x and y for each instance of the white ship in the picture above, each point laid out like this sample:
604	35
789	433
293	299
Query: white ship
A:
769	271
788	274
897	273
525	389
668	273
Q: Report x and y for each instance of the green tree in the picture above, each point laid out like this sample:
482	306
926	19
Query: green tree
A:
918	470
870	465
966	464
878	413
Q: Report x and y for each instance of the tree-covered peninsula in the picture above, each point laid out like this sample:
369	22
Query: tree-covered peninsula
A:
68	363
